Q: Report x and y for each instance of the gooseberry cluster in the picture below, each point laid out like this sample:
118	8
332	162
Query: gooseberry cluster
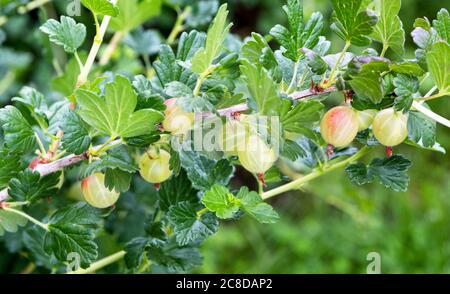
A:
341	124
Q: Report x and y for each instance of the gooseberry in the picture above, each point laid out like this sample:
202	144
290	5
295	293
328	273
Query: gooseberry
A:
339	126
390	127
154	166
365	118
176	121
96	193
257	157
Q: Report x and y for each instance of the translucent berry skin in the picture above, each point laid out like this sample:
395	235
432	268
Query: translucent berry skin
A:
96	193
257	157
154	167
176	121
339	126
390	127
365	118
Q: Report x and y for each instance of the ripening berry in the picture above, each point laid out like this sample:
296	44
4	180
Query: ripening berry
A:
154	166
390	127
339	126
257	157
365	118
96	193
176	121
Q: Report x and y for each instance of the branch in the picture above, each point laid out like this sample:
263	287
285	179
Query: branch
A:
100	264
244	107
301	181
429	113
49	168
46	169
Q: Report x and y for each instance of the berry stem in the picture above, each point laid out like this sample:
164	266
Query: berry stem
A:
301	181
100	264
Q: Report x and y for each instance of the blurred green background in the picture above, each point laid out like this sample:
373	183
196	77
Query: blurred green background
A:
331	225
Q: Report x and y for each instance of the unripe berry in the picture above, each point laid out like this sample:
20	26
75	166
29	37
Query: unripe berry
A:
96	193
154	167
176	121
390	127
365	118
257	157
339	126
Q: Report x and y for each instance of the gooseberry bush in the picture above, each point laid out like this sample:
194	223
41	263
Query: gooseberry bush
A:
113	171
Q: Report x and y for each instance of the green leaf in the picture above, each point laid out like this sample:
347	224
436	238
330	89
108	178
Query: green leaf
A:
114	114
10	222
263	90
118	180
204	172
147	96
18	135
189	227
35	102
291	150
72	229
366	80
299	35
442	25
175	258
10	166
352	24
407	67
406	89
33	240
202	12
389	30
257	51
133	13
302	116
177	89
29	186
421	129
116	158
253	205
66	33
439	66
221	201
217	32
66	83
177	189
391	172
189	44
102	7
76	137
143	42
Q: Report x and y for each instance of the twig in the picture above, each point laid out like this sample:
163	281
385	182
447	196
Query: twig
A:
49	168
100	264
115	41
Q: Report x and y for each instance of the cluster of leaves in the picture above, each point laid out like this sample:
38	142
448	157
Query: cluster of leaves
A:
206	72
